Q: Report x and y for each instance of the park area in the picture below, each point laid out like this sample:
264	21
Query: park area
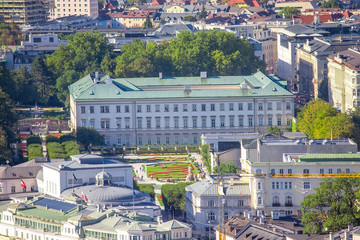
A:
176	170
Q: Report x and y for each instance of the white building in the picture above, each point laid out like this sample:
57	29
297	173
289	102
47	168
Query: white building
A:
203	203
54	178
178	110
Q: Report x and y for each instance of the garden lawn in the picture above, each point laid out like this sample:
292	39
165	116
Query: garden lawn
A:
160	198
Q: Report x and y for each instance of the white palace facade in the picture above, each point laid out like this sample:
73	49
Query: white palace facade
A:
177	110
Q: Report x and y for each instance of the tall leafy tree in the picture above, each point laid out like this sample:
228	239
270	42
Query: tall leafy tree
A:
331	4
289	12
318	119
26	90
203	14
7	83
174	195
332	207
87	136
148	23
7	121
83	53
62	84
43	79
10	33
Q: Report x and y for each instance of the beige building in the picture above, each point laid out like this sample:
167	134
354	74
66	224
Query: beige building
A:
64	8
344	79
23	12
311	61
301	5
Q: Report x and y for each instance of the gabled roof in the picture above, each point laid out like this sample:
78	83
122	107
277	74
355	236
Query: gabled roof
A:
173	224
210	188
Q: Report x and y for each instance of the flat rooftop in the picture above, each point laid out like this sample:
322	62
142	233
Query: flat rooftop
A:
343	157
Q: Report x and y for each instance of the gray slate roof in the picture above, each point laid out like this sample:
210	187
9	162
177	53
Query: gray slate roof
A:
209	188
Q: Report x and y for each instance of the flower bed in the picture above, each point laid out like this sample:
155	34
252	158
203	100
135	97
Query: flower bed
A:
160	198
170	170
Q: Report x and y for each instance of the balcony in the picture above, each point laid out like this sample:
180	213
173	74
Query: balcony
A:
288	204
276	205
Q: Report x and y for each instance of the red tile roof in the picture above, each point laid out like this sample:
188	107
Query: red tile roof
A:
324	17
250	3
158	2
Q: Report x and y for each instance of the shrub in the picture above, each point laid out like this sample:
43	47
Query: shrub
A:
67	137
34	151
33	139
50	139
71	148
148	188
55	150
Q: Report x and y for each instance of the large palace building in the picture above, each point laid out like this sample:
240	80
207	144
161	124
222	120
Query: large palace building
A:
178	110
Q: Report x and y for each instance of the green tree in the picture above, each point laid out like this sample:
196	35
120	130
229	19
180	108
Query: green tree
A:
10	33
7	83
338	194
189	18
274	129
174	196
318	119
203	14
87	136
289	12
148	188
62	84
43	79
26	91
5	151
148	23
226	168
331	4
83	53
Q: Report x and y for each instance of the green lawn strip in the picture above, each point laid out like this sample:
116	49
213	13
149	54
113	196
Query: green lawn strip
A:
159	197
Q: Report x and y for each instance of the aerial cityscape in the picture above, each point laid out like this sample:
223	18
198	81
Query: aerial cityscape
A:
180	119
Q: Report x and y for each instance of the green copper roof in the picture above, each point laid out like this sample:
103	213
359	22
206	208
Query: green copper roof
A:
344	157
259	85
46	214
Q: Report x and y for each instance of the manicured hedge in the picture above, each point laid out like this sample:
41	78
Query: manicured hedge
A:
34	151
148	188
50	139
33	139
62	150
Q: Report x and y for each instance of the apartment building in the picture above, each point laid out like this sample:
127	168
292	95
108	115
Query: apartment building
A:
287	41
312	63
23	12
65	8
177	110
344	79
203	204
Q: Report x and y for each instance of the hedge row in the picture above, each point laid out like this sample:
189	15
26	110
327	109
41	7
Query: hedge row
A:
34	151
33	139
62	139
62	150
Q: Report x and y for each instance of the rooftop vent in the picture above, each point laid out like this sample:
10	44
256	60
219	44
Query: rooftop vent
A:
203	75
243	86
187	88
160	75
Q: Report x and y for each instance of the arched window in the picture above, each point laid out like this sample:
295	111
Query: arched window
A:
276	201
288	201
226	215
259	200
306	171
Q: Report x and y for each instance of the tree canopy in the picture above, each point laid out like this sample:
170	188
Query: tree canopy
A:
174	195
341	195
188	54
289	12
227	168
10	33
331	4
87	136
318	119
148	23
83	53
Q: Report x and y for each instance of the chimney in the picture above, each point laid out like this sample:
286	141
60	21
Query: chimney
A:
350	227
331	236
160	75
159	219
203	75
96	77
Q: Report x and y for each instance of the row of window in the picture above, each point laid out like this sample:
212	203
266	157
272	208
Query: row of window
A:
188	107
120	141
305	171
214	122
239	203
281	185
276	201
